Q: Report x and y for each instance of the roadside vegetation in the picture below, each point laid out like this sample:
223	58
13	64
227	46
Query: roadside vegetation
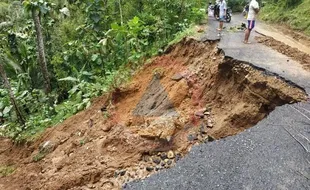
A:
6	170
293	13
56	55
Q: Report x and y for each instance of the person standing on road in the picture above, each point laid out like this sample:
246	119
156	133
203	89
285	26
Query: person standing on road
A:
223	8
253	10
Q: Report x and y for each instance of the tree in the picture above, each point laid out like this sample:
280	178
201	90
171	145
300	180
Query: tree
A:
7	85
37	8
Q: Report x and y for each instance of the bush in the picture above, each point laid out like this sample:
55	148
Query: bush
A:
290	12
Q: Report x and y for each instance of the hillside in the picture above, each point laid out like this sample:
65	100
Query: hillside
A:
192	94
57	55
104	94
293	13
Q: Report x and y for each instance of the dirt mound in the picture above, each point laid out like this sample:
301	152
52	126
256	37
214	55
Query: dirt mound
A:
192	94
294	53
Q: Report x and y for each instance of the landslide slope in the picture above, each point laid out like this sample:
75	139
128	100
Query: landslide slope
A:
191	94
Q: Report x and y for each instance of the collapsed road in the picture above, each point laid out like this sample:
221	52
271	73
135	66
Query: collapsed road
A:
274	154
191	109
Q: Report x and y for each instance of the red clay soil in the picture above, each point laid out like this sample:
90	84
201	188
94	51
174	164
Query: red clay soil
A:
202	95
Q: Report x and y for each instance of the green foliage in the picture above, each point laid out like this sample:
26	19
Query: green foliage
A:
89	53
180	35
41	5
4	11
39	156
237	5
290	12
6	170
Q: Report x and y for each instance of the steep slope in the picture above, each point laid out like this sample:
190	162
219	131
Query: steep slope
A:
293	13
191	94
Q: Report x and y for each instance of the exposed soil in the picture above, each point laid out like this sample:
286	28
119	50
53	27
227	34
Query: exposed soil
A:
297	35
190	95
286	35
294	53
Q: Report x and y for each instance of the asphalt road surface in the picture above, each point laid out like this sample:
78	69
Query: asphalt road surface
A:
274	154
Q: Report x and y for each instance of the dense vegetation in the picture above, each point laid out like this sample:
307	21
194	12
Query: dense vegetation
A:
58	54
294	13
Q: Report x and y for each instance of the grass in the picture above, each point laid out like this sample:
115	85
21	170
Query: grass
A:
190	31
6	170
295	17
39	156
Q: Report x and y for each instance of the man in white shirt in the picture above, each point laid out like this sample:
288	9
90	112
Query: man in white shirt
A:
223	9
253	10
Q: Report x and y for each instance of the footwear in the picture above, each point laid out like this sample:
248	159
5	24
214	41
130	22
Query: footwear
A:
219	34
246	42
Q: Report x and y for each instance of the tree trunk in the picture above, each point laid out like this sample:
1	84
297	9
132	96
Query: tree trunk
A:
41	51
120	11
11	95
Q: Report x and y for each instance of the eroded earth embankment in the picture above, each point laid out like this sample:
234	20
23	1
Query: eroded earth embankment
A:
191	94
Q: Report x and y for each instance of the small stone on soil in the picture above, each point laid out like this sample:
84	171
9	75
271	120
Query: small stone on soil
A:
162	164
146	158
149	168
209	123
107	128
47	147
157	168
177	77
122	172
170	154
103	109
163	156
203	129
206	113
169	162
178	157
156	160
210	138
168	138
199	114
192	137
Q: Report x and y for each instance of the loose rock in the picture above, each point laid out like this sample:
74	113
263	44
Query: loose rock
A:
146	158
156	160
162	164
169	162
170	154
209	123
107	127
116	173
199	114
47	147
210	138
163	156
203	129
207	113
157	168
178	157
149	168
177	77
192	137
122	172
